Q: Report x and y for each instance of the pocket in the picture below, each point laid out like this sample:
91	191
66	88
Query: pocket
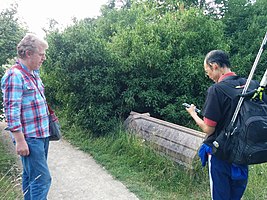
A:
256	131
29	93
256	155
223	146
239	172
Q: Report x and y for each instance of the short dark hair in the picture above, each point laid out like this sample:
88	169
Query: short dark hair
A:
218	56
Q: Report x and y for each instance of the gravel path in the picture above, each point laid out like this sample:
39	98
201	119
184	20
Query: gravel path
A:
76	175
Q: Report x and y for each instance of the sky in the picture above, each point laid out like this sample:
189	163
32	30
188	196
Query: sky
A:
36	13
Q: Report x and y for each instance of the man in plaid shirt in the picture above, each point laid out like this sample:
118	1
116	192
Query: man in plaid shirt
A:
27	115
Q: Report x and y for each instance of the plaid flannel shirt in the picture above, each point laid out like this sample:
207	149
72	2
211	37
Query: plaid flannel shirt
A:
25	107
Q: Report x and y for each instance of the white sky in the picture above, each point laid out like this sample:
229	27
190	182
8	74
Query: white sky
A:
35	13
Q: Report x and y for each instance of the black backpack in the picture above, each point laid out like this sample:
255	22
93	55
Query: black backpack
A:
244	141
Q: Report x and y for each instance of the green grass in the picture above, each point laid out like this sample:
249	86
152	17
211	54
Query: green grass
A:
151	176
257	185
143	171
9	176
146	173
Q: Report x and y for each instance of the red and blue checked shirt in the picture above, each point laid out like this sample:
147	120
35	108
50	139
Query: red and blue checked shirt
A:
25	106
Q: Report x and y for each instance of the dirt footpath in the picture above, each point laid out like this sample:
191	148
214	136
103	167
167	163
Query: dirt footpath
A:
76	175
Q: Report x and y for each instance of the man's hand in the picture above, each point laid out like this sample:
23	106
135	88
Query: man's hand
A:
205	128
22	148
192	110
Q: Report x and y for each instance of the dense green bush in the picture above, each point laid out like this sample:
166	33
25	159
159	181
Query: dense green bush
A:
80	79
149	64
11	32
146	57
160	60
246	23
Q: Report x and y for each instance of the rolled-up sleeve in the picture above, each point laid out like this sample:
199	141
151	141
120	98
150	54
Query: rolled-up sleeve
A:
12	89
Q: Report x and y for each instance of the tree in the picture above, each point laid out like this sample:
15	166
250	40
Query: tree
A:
11	32
246	23
78	77
159	57
138	59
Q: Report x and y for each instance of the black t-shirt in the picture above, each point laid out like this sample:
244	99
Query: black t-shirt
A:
218	106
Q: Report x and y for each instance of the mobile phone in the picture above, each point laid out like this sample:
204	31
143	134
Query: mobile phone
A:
188	106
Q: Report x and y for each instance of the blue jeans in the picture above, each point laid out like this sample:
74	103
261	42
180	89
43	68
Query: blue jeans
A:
36	179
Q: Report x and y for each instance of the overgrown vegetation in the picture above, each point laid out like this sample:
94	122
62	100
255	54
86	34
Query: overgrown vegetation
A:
146	56
143	171
151	176
11	32
9	175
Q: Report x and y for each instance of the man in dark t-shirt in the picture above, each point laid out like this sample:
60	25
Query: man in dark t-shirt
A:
227	181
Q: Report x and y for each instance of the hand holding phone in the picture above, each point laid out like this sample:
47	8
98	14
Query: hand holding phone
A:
188	106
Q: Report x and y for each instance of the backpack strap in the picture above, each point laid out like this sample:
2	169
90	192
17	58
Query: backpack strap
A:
234	89
230	89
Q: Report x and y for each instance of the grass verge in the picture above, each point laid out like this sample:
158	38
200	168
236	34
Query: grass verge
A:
151	176
143	171
9	175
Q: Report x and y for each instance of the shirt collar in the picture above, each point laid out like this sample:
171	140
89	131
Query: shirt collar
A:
24	67
226	75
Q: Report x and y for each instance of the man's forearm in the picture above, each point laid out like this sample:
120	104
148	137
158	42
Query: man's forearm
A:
205	128
19	136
